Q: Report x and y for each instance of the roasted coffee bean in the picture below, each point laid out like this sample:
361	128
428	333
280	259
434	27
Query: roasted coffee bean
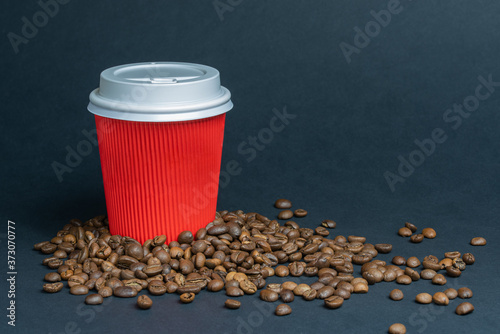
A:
397	328
94	299
144	302
52	277
157	288
283	309
373	276
232	304
48	248
410	226
79	290
215	285
282	204
423	298
399	260
105	291
439	279
477	241
452	271
53	287
429	233
172	287
189	288
341	293
446	262
285	214
321	230
383	248
234	291
396	294
282	271
413	262
415	276
459	264
360	287
248	287
187	297
185	237
404	232
287	296
334	302
404	279
452	255
326	292
310	294
300	213
417	238
464	308
468	258
289	285
38	246
361	258
300	289
451	293
427	264
124	292
296	268
440	298
268	295
464	293
428	274
328	223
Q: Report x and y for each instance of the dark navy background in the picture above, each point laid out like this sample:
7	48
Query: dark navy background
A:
353	121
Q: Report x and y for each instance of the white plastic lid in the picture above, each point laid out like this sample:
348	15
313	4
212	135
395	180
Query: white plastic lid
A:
160	92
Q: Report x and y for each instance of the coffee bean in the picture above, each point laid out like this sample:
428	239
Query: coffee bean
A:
282	271
285	214
52	277
287	296
268	295
413	262
390	275
283	309
464	293
446	262
453	272
397	328
144	302
396	294
334	302
360	287
325	292
248	287
404	279
289	285
415	276
452	255
345	294
185	237
300	289
53	287
172	287
94	299
105	291
157	288
282	204
477	241
440	298
383	248
423	298
427	274
232	304
215	285
321	230
328	223
459	264
124	292
300	213
189	288
310	294
410	226
38	246
79	290
234	291
429	233
464	308
399	260
48	248
468	258
427	264
417	238
373	276
439	279
404	232
187	297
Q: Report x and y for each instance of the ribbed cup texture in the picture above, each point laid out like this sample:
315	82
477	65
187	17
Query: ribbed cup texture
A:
160	178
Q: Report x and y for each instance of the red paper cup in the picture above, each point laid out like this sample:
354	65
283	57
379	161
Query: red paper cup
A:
160	153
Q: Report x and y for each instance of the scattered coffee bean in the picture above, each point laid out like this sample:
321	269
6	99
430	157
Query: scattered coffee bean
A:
451	293
281	271
396	294
404	279
440	298
79	290
446	262
464	293
417	238
53	287
334	302
300	213
94	299
452	255
285	214
52	277
478	241
413	262
412	227
459	264
185	237
328	223
423	298
439	279
397	328
283	309
468	258
383	248
399	260
232	304
287	296
464	308
453	272
282	204
144	302
268	295
187	297
429	233
310	294
124	292
428	274
404	232
105	291
360	288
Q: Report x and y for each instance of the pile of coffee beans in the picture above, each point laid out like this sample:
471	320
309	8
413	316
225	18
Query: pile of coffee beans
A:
236	253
